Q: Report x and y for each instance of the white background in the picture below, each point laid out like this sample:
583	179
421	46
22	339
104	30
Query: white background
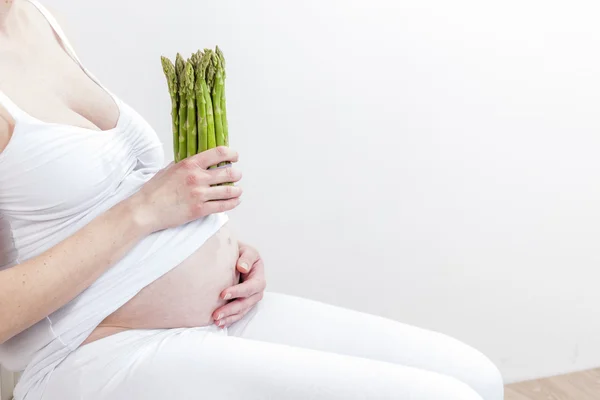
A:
435	162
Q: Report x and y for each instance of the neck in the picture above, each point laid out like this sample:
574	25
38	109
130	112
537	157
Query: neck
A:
6	10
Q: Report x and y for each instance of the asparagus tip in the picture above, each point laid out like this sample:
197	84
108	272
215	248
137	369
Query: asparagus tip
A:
220	54
167	64
189	77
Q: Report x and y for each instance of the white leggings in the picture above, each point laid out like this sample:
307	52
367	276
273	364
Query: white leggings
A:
287	348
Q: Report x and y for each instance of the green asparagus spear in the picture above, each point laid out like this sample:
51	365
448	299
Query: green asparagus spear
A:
180	68
171	75
201	104
217	91
223	101
219	96
206	67
192	134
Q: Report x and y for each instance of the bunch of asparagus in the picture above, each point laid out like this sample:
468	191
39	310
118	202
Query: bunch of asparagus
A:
197	89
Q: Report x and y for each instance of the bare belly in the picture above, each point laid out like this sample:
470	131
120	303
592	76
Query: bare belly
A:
184	297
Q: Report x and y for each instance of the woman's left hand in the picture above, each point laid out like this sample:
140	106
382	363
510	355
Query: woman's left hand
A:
247	293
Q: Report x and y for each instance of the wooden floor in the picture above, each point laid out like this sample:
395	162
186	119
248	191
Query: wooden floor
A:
576	386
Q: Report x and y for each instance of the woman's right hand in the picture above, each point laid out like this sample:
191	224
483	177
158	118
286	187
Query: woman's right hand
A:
183	191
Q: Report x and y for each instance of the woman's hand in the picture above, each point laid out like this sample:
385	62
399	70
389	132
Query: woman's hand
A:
246	294
183	191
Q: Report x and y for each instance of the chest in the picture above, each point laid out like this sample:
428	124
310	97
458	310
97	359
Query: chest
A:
81	144
48	84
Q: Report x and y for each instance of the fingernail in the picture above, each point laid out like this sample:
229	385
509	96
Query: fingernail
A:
244	266
227	296
220	323
220	316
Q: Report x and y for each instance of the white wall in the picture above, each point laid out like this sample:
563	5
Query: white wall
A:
434	162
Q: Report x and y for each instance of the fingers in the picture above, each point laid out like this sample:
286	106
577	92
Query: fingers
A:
235	310
219	206
248	257
223	192
245	289
228	321
214	156
224	175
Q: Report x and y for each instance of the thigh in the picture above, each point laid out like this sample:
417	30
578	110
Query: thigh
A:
314	325
190	364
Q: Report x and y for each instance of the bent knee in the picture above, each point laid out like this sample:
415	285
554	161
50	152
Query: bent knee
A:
483	375
490	384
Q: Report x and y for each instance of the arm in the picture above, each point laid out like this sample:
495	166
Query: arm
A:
38	287
180	193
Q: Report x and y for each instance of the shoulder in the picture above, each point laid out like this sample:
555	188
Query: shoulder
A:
45	13
44	7
58	16
63	22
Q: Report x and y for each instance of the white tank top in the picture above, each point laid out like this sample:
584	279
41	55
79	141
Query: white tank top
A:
56	178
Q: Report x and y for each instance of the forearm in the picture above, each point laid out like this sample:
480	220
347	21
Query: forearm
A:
36	288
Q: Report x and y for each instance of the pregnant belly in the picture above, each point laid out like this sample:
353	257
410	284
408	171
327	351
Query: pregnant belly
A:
184	297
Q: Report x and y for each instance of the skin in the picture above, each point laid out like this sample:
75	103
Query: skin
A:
176	195
248	293
5	8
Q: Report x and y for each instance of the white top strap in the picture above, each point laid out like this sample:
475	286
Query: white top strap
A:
65	42
15	111
59	32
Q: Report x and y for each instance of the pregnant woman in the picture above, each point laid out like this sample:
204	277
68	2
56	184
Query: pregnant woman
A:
121	279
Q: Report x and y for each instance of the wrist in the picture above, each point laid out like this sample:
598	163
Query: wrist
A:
138	214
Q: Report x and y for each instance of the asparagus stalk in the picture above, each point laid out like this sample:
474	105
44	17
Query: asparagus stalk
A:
201	103
223	100
180	68
192	136
171	75
223	103
206	66
217	95
217	92
194	61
